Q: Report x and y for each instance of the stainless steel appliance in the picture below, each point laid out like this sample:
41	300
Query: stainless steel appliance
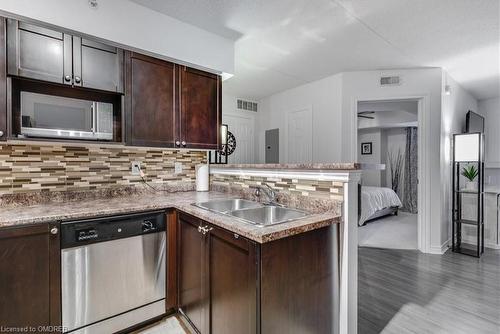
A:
62	117
113	272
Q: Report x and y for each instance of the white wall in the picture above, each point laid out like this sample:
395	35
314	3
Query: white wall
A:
374	136
324	97
129	24
490	109
383	142
231	113
389	114
454	108
364	86
334	100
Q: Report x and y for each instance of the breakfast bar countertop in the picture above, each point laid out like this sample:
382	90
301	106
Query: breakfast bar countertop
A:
17	215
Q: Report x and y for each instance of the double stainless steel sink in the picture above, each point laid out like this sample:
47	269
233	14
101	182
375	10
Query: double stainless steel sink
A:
253	212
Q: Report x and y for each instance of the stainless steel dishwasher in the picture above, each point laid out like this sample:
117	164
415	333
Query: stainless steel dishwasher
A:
112	272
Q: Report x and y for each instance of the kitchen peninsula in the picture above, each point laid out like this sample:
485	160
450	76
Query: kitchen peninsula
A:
307	262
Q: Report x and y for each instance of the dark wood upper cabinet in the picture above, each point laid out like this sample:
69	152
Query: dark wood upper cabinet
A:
30	276
169	105
97	65
200	109
233	283
40	53
150	101
3	80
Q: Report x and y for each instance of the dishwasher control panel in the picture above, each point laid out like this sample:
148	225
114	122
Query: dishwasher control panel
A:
86	234
81	232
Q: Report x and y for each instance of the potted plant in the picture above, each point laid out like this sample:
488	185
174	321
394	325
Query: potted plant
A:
470	173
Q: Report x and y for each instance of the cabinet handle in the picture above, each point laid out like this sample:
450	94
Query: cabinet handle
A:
177	143
54	230
236	236
1	133
204	229
78	80
183	143
67	78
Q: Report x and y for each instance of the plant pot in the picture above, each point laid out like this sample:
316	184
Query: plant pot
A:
471	185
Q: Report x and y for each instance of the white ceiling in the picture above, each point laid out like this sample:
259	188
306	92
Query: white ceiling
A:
281	44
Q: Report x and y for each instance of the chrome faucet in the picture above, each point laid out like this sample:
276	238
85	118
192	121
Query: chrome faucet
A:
270	193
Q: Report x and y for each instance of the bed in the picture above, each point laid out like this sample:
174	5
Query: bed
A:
377	202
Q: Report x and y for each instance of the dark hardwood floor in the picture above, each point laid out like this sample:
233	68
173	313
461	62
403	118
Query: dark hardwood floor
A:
403	291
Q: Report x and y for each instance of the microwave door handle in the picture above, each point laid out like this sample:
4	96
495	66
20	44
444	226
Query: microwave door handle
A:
94	117
97	127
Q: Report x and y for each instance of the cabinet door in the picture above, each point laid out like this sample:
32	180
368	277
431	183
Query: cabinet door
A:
150	101
233	283
29	277
3	80
200	108
192	273
97	65
38	53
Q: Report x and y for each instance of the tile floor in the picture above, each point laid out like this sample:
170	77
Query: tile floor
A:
169	325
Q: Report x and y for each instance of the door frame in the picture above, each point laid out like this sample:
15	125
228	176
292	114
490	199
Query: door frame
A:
424	171
252	119
307	108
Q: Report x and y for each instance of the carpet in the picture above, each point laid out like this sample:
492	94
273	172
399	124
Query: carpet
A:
396	232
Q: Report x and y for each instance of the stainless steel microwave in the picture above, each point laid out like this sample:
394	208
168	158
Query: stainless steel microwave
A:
49	116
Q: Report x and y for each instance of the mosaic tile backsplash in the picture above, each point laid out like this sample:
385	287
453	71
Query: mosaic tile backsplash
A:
58	167
310	188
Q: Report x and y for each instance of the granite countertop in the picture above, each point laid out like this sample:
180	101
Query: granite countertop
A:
302	166
72	210
333	166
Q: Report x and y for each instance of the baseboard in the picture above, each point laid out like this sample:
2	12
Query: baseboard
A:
440	250
486	243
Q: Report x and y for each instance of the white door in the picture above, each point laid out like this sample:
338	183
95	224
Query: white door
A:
299	136
243	129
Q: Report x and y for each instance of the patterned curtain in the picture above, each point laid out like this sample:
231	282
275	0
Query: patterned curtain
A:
410	195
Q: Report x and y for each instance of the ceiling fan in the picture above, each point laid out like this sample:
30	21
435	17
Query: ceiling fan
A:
364	114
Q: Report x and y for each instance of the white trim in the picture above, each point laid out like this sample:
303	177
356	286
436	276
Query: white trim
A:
341	176
441	249
348	310
424	172
473	240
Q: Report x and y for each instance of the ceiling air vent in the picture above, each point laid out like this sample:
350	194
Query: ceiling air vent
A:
390	81
246	105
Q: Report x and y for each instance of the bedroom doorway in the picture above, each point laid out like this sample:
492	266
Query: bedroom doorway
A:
388	137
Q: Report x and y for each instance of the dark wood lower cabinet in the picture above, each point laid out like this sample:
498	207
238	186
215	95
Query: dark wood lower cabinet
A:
232	282
3	80
30	278
192	273
228	284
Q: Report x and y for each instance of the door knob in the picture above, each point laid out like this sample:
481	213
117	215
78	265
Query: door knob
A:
54	230
177	143
78	80
183	143
1	133
67	78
